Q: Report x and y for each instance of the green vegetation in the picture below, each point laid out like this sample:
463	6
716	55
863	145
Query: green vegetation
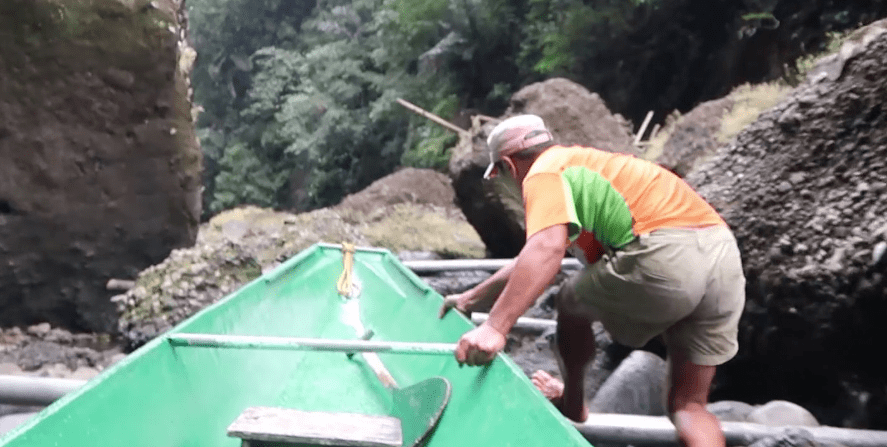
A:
797	72
299	96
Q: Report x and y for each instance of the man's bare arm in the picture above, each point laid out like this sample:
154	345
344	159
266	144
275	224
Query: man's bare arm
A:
535	268
481	295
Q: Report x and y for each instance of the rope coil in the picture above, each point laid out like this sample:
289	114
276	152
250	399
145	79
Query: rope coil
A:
345	284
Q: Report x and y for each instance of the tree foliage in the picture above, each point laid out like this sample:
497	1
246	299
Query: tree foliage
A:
299	96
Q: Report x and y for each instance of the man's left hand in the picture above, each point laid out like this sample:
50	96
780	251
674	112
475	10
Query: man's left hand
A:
479	346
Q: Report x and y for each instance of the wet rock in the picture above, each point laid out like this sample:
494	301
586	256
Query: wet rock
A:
635	387
781	413
446	283
730	410
39	330
793	437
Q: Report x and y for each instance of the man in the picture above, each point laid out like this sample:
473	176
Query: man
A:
660	261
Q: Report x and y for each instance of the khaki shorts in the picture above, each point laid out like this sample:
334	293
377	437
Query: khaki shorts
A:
685	283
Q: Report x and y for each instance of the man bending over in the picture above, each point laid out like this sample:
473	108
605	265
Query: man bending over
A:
659	260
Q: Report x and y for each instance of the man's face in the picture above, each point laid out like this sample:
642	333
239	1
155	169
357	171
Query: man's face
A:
505	166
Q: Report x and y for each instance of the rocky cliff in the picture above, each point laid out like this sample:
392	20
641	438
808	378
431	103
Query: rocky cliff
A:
101	168
805	189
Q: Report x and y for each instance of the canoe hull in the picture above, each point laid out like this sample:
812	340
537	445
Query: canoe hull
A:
165	395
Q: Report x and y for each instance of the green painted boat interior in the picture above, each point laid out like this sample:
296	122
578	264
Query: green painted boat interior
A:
165	396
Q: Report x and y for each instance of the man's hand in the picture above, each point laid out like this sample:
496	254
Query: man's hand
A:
479	346
454	301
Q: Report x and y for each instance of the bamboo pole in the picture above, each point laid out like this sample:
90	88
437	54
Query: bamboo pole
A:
523	323
23	390
473	264
635	429
307	344
599	428
435	118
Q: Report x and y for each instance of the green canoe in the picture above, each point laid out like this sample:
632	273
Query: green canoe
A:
168	395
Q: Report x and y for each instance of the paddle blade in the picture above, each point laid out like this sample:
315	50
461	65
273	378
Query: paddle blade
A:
419	407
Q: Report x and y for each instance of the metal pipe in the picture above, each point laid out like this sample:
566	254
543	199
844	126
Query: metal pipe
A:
24	390
634	429
523	323
473	264
307	344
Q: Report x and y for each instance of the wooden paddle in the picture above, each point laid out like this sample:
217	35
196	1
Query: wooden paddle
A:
418	406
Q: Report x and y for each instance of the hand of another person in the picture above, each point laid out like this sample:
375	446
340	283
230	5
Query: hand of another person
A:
457	301
479	346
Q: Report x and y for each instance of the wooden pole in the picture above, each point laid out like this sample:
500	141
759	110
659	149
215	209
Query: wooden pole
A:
637	138
435	118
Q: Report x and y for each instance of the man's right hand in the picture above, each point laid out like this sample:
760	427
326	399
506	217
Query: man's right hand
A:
457	301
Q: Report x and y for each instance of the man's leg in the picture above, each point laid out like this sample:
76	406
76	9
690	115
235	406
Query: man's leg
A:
687	398
576	349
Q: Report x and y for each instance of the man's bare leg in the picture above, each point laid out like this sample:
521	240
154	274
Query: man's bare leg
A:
687	398
576	348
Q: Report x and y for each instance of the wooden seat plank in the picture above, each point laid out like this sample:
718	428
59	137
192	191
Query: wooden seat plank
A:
288	425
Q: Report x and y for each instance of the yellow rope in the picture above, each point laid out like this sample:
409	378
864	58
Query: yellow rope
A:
344	284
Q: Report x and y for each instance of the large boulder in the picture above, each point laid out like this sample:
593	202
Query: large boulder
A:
573	114
100	175
694	136
804	190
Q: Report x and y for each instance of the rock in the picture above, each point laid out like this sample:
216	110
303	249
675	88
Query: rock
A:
10	369
59	335
794	437
56	370
94	185
84	373
807	309
39	330
695	135
635	387
495	208
779	413
446	283
730	410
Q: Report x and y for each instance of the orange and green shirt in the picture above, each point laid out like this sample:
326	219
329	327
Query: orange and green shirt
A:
608	197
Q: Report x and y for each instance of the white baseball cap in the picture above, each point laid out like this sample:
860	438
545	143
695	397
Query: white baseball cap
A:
514	135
